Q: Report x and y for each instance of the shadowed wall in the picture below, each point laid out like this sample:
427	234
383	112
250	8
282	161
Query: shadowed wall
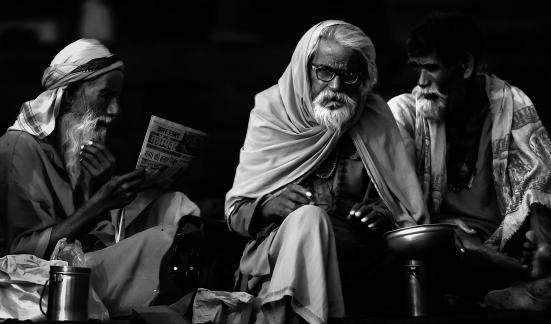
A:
202	65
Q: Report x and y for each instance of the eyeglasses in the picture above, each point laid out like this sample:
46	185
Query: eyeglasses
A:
326	74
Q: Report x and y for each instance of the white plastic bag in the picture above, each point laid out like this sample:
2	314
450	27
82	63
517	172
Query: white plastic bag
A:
22	279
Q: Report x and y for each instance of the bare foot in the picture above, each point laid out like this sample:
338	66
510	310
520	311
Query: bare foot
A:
537	255
534	296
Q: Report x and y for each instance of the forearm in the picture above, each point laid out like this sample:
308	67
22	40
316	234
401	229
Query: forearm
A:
245	218
77	224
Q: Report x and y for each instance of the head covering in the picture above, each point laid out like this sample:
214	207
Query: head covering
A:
81	60
284	143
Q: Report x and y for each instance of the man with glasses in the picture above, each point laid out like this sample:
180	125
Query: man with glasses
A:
323	173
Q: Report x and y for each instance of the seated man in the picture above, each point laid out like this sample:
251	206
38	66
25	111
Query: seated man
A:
56	178
322	173
482	155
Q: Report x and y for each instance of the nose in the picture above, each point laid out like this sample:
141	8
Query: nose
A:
336	83
423	80
113	109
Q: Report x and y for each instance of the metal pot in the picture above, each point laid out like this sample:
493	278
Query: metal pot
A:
421	249
68	294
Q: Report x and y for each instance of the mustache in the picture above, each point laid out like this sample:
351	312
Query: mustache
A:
430	93
327	96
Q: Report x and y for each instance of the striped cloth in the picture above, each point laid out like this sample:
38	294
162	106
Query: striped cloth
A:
81	60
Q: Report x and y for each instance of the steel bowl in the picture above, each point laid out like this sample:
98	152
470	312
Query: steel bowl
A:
421	241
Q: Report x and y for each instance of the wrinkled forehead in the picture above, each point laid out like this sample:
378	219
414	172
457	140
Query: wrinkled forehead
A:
424	59
108	83
332	54
318	47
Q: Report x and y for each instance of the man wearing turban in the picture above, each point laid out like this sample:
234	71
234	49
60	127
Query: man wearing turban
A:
56	179
322	173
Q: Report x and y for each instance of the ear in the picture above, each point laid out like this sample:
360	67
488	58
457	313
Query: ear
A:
468	66
70	95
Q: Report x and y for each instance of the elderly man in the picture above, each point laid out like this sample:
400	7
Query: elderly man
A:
482	155
322	173
56	179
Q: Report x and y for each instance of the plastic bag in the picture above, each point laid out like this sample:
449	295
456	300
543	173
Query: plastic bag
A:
73	254
22	279
70	252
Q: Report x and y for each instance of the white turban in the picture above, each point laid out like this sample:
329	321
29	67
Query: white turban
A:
84	59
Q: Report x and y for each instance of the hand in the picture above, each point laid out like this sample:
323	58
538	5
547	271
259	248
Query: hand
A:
119	191
373	220
288	200
465	236
97	163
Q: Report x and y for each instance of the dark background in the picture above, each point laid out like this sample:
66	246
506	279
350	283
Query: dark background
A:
200	63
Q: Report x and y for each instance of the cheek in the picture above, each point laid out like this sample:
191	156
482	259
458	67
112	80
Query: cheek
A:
315	89
353	92
443	81
99	107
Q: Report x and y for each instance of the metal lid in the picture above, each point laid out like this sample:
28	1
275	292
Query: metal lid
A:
69	270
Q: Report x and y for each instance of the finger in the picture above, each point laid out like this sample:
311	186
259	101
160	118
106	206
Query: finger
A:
88	167
85	169
136	174
353	210
364	210
459	244
370	219
299	189
134	184
289	204
100	150
464	227
127	188
296	197
98	155
94	161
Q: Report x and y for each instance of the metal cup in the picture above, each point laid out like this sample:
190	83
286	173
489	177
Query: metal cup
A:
68	294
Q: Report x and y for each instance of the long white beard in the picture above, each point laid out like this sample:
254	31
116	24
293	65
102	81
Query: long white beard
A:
431	103
333	109
78	130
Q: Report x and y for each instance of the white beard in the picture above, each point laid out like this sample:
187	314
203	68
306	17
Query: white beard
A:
77	130
431	103
333	109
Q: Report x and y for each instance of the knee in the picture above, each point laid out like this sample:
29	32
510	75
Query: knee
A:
307	217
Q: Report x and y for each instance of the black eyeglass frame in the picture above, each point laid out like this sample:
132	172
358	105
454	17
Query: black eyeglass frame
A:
334	72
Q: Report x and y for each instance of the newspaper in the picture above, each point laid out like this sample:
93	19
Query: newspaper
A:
168	147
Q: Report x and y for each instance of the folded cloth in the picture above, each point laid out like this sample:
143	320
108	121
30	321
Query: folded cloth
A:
22	278
531	296
176	313
222	307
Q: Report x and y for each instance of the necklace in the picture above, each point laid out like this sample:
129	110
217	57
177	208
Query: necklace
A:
333	167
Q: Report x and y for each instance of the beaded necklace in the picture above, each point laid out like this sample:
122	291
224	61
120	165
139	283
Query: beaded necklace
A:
333	167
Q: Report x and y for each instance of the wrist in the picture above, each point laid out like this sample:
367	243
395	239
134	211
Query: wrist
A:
95	205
